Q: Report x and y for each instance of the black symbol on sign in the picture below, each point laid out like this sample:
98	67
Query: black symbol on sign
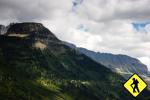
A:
134	85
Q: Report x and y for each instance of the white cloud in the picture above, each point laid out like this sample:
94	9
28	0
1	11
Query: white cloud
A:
108	22
146	61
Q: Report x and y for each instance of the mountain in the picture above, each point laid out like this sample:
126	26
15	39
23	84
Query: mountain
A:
121	64
118	63
36	65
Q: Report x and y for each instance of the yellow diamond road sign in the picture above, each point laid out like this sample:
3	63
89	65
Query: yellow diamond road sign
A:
135	85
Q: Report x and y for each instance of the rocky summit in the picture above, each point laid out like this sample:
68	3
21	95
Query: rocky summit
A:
34	30
36	65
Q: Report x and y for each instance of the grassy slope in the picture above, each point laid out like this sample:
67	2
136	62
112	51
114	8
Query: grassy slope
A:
28	73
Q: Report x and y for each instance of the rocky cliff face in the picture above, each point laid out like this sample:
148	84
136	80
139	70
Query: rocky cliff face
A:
36	34
34	30
25	28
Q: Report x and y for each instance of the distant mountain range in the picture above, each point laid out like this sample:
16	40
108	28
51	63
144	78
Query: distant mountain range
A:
118	63
122	64
36	65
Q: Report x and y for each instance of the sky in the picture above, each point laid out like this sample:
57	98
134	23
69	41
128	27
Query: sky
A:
110	26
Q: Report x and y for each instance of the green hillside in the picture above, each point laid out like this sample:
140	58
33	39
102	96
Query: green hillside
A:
40	67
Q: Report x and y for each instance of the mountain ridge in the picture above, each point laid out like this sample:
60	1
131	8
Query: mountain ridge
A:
55	72
119	63
118	59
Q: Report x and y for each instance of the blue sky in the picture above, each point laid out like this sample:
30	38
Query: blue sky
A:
140	26
77	2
